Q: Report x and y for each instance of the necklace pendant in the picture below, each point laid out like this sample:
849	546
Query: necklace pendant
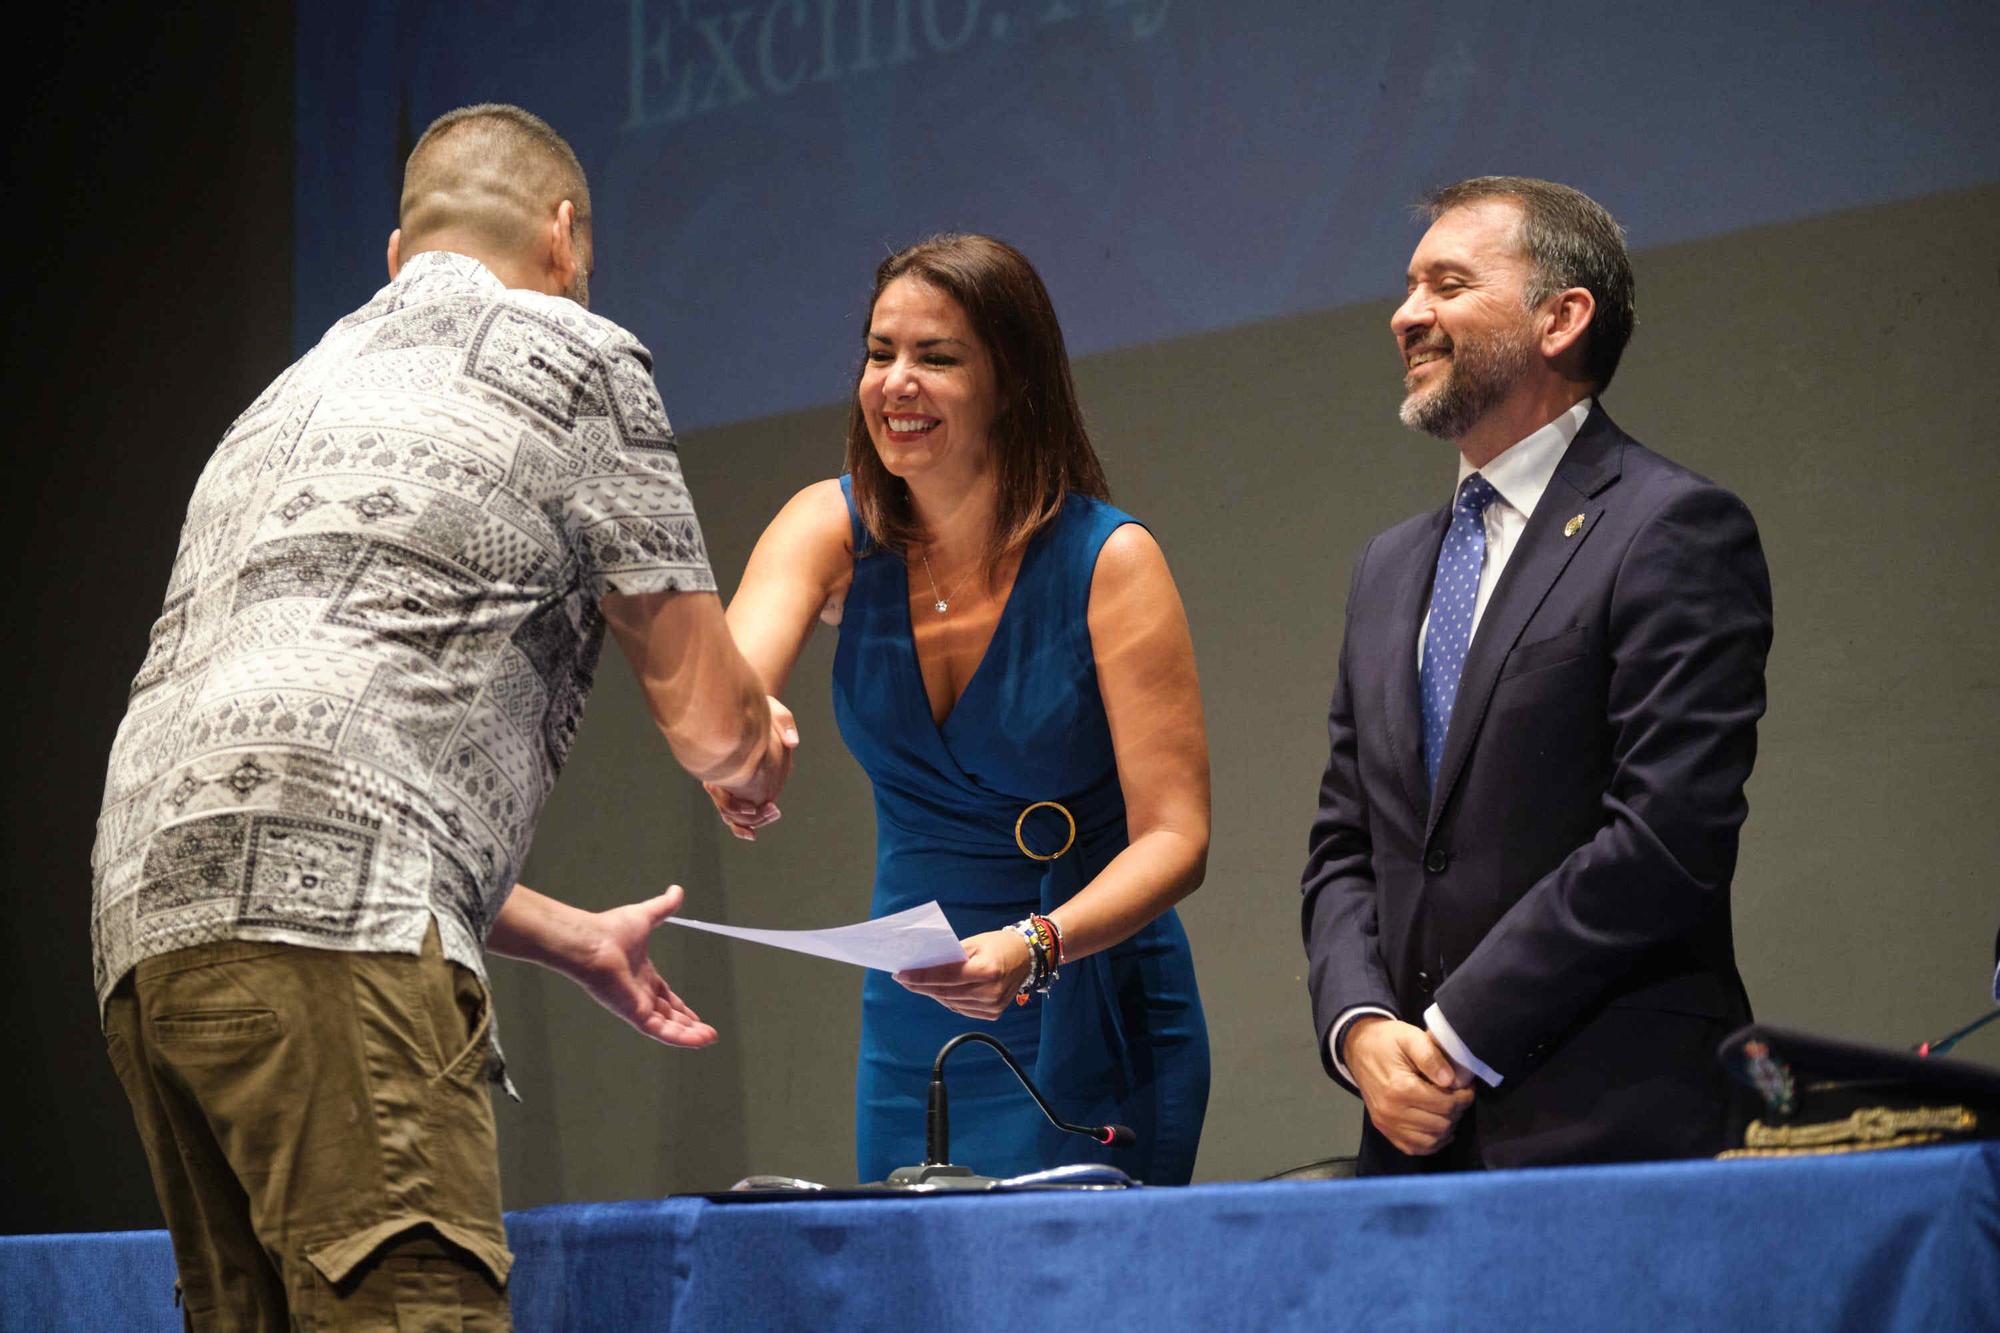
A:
941	606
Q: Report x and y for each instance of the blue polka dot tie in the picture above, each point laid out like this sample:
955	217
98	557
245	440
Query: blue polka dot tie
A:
1454	596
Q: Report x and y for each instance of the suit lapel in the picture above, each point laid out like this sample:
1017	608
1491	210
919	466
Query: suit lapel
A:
1406	716
1548	543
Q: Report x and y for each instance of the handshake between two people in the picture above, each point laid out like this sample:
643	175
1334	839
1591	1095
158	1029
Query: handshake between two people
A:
749	802
708	701
1414	1091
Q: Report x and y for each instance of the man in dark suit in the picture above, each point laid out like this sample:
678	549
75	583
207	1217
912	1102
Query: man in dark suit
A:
1516	902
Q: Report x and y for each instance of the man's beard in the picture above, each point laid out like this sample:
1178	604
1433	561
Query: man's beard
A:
579	288
1481	371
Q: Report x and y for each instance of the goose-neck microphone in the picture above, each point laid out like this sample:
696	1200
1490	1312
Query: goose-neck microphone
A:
937	1115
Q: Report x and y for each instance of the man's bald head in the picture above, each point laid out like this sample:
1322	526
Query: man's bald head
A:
490	180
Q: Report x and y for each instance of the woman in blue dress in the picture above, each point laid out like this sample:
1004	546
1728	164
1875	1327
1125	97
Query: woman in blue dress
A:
1014	673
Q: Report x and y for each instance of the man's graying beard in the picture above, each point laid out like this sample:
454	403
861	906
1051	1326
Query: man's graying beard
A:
1481	371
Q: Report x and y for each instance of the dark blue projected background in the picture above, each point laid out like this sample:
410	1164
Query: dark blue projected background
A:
1172	166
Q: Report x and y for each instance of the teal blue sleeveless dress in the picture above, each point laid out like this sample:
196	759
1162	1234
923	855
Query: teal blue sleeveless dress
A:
1120	1037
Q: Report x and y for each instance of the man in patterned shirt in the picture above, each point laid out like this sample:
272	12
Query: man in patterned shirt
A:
379	634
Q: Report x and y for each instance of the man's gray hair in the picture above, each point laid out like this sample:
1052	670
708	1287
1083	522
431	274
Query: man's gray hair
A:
1572	242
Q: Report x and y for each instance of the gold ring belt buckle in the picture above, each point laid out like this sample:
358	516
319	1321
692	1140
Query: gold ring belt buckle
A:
1067	843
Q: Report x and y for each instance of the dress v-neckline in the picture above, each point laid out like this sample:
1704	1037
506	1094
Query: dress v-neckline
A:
1000	623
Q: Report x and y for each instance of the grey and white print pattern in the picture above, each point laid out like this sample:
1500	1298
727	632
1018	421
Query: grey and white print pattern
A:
382	624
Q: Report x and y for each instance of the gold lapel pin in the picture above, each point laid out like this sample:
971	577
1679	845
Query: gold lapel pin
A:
1574	526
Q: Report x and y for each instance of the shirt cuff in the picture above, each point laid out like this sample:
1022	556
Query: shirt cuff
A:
1439	1027
1340	1027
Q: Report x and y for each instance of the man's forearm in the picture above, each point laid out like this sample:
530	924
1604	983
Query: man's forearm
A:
718	723
536	928
1338	908
751	755
707	702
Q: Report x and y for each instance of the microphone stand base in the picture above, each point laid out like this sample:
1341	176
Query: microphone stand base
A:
940	1175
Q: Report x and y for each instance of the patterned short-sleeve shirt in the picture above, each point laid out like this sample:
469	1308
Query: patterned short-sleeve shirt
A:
382	624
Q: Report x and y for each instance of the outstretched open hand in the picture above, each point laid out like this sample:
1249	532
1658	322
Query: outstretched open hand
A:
619	973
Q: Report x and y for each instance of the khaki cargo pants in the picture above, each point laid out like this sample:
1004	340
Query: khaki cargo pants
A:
320	1134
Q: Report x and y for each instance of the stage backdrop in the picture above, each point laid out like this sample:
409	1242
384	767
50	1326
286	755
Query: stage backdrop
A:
1173	166
1217	194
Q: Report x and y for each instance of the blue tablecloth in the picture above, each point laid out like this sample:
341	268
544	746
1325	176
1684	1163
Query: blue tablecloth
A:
1893	1240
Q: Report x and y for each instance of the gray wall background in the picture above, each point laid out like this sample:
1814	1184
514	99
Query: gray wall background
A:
1832	372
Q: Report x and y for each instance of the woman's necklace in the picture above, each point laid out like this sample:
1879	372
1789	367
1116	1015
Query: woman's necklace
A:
943	603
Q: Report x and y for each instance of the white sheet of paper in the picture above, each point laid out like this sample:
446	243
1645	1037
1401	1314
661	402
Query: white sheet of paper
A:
915	937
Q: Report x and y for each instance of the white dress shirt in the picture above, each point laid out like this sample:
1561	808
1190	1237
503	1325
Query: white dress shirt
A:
1519	474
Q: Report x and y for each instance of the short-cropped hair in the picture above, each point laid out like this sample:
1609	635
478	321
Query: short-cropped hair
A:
515	132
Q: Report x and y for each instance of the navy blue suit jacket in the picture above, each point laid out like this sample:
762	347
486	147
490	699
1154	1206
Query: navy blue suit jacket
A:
1563	895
